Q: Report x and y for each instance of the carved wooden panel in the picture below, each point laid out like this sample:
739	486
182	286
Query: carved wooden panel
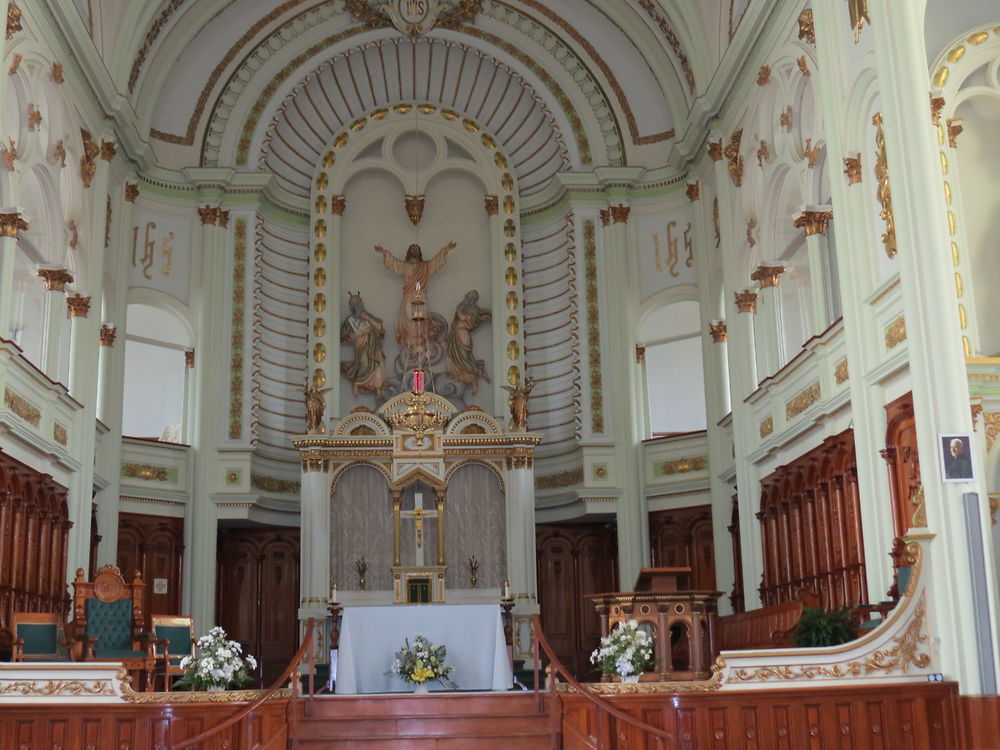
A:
810	521
574	560
258	593
34	530
154	546
736	597
902	460
683	538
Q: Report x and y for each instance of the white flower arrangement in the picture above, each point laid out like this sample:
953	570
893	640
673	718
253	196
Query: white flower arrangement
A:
626	651
421	662
220	663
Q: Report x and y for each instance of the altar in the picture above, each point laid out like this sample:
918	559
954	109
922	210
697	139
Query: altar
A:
472	633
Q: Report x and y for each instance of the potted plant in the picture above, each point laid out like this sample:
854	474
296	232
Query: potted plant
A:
817	627
220	664
420	663
626	651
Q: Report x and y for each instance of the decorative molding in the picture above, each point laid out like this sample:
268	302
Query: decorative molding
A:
653	8
74	234
209	215
605	215
189	358
852	168
746	301
88	163
108	150
953	124
9	154
338	203
763	153
34	118
236	337
78	305
15	63
715	150
785	119
593	328
558	481
492	205
992	422
803	65
147	472
763	75
751	227
131	191
807	30
884	192
693	191
57	73
640	354
59	153
802	401
314	465
766	426
11	224
270	484
813	222
767	276
55	279
223	218
59	433
682	465
718	331
21	407
937	104
841	373
30	688
895	333
976	409
811	152
108	334
437	13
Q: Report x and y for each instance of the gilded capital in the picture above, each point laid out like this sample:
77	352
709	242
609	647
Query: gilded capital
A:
492	205
715	150
209	215
108	150
693	191
189	358
57	73
13	20
605	217
640	354
108	333
337	205
852	168
767	276
78	305
763	75
807	29
131	191
223	218
746	301
720	334
11	224
619	213
813	222
55	279
310	464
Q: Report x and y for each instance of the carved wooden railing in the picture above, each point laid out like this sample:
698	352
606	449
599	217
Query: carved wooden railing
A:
605	711
245	714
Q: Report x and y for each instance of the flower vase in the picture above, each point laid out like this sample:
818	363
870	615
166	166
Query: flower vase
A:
421	689
215	688
630	679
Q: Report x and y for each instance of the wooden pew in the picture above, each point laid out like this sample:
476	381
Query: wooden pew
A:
767	627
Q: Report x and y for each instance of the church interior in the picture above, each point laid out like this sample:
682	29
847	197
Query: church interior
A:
518	320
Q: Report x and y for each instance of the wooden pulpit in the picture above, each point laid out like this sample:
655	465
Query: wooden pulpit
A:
663	580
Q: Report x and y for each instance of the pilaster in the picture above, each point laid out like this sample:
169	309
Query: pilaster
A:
314	576
813	222
11	224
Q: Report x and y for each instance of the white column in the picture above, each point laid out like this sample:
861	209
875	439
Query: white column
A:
79	344
769	313
937	361
11	222
314	571
521	530
813	223
55	280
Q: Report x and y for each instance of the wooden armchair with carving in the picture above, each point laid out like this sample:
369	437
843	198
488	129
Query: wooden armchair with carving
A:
108	623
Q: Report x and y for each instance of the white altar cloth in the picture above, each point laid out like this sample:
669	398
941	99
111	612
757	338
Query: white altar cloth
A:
472	633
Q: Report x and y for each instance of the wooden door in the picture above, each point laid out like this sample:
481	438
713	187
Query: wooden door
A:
574	560
154	546
258	594
683	538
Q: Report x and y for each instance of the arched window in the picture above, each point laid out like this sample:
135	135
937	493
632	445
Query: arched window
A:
674	370
154	394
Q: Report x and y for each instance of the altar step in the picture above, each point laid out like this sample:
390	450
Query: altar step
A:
483	721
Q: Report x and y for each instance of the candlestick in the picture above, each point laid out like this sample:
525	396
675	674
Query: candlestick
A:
333	594
506	589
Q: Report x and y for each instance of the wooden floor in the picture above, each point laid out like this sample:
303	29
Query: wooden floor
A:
483	721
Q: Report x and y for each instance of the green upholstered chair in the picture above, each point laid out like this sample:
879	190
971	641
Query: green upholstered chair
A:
108	623
174	639
38	636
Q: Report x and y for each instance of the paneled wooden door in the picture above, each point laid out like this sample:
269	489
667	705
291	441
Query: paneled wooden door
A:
574	560
258	594
153	545
682	538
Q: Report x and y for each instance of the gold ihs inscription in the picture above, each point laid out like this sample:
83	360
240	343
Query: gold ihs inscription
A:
673	258
168	254
148	249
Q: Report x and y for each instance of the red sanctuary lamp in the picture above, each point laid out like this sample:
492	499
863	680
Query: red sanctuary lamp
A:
418	381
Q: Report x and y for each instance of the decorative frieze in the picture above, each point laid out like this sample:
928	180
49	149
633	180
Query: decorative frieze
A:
11	224
802	401
22	407
271	484
717	329
682	465
55	279
557	481
767	276
813	222
78	305
746	301
146	472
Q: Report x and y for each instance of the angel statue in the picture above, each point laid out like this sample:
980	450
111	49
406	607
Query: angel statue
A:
518	403
361	329
315	406
462	363
416	273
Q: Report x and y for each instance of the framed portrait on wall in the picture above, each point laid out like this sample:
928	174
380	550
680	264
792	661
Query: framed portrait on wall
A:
956	457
